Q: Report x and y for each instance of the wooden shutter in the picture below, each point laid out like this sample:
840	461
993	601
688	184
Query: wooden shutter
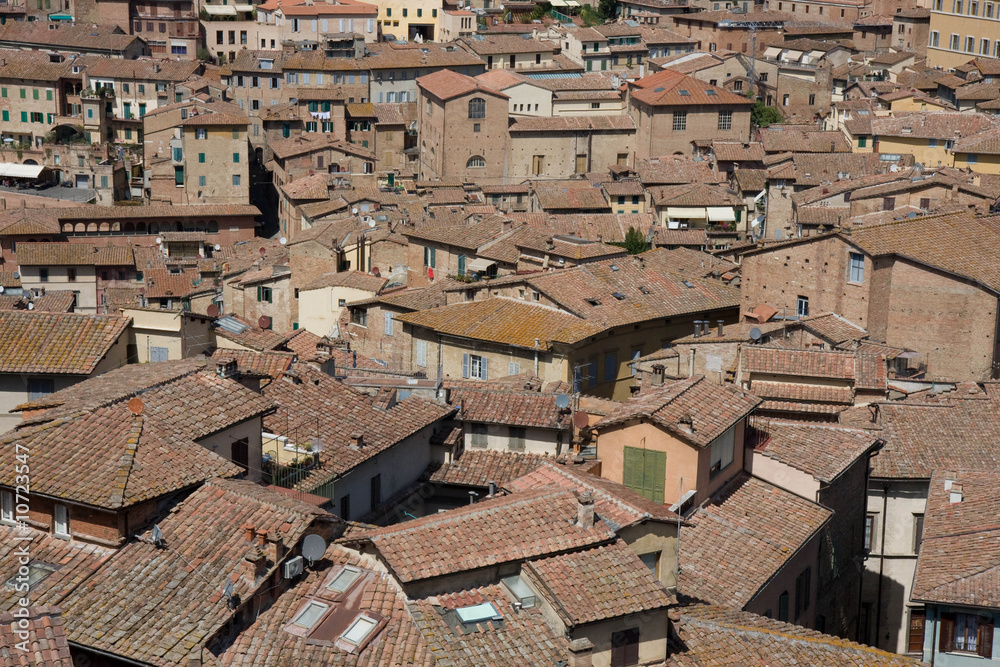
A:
946	643
655	470
632	468
984	640
482	369
915	642
465	365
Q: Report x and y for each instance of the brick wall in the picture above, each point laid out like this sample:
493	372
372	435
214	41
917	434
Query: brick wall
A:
655	135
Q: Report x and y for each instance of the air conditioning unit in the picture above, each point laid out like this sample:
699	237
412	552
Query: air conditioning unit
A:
294	567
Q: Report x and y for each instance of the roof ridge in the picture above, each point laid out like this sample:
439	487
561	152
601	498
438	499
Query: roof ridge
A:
125	462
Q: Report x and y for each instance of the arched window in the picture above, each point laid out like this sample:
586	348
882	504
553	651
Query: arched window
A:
477	108
475	161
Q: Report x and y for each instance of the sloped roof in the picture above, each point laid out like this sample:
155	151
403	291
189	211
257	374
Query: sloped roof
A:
63	343
821	450
711	408
670	88
446	84
479	467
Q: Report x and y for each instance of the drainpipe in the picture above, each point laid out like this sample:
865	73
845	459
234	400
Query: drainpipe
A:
691	362
881	566
536	357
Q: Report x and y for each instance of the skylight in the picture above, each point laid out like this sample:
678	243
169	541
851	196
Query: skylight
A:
478	613
618	295
593	302
36	572
659	90
684	92
344	579
358	631
310	615
708	91
687	283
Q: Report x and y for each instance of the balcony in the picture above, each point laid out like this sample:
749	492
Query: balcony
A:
100	93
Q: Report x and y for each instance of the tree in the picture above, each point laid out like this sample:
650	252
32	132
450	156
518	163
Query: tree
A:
762	115
608	8
635	242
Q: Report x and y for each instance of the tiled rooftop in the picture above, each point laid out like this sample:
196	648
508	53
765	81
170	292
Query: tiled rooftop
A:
741	537
539	522
479	467
805	363
821	450
712	408
516	408
45	641
62	343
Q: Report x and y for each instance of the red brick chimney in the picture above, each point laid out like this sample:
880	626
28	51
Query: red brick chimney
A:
253	565
261	538
581	653
274	550
248	532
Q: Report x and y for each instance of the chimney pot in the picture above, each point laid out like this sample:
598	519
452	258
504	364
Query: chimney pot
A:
248	532
253	565
357	440
585	510
720	323
273	550
262	538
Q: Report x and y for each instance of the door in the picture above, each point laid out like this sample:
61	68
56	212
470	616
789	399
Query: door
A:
241	454
82	181
625	648
158	353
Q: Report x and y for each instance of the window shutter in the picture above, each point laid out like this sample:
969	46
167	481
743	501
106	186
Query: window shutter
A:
465	365
388	324
421	353
433	257
984	642
482	367
658	472
260	293
946	643
631	464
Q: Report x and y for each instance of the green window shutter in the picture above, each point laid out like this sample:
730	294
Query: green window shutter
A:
236	158
3	92
34	94
48	95
6	115
24	94
461	265
260	293
201	157
656	471
632	468
24	116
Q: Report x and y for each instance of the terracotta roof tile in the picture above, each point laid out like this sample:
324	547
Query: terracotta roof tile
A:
727	637
516	408
712	409
446	84
809	363
777	140
749	522
44	644
539	523
670	88
479	467
61	343
959	561
580	198
109	616
600	583
271	364
820	450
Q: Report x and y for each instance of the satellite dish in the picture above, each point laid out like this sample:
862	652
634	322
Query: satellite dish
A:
581	419
1	289
755	334
376	272
562	401
227	590
135	405
371	222
31	306
313	548
263	251
354	211
282	240
17	275
218	247
157	536
213	310
264	322
159	240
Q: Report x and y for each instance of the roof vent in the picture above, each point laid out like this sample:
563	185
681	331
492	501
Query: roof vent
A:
478	613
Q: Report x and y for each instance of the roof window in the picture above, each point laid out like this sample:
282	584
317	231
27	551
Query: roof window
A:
684	93
310	615
344	579
594	302
358	632
687	283
618	295
478	613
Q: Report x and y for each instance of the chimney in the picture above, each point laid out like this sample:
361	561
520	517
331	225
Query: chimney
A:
357	440
720	323
697	328
585	510
262	538
686	423
691	362
550	244
253	565
581	653
274	550
658	372
493	488
248	532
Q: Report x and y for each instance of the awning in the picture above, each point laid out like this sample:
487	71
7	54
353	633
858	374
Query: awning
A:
557	3
244	8
685	212
20	170
219	10
721	214
756	221
175	42
480	265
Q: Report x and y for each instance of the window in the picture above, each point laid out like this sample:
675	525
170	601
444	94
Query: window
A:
802	306
680	121
636	353
476	162
388	324
6	506
644	471
477	108
722	452
725	120
201	133
236	180
240	454
61	521
236	158
422	353
783	607
310	614
71	272
345	507
515	440
862	142
430	257
857	262
36	573
375	487
803	585
812	99
972	158
43	275
359	316
476	127
474	366
888	203
966	633
915	636
625	648
479	436
918	532
953	42
201	181
610	367
461	265
264	294
970	44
